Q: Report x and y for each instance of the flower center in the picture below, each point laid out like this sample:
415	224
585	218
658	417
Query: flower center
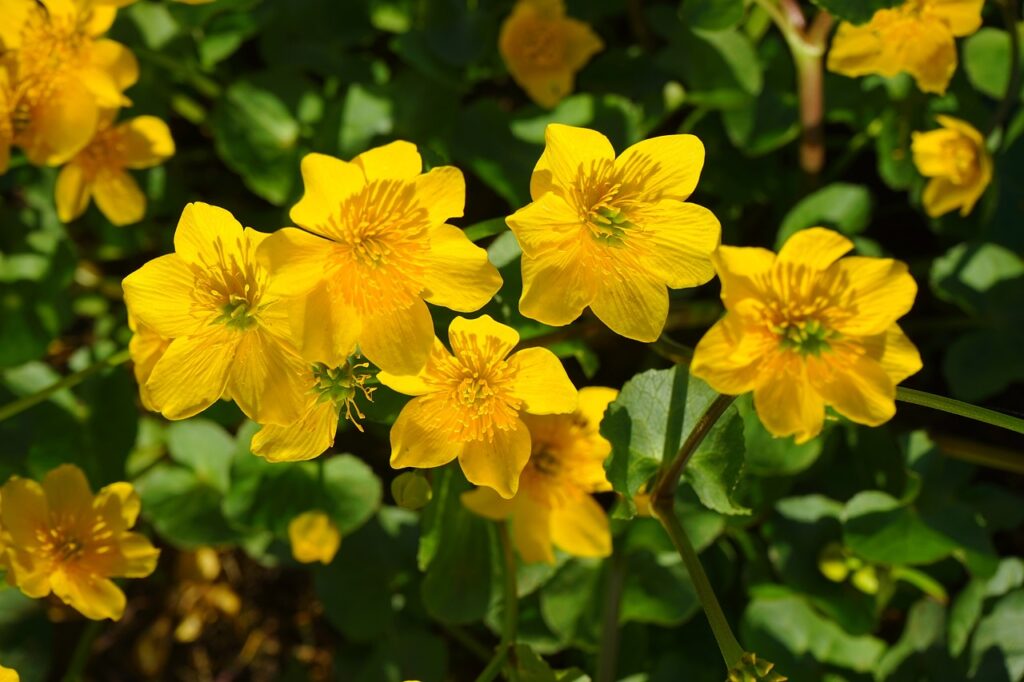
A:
808	337
963	160
236	314
230	286
542	46
607	218
546	463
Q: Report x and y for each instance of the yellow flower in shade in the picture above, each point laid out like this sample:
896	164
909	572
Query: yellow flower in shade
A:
9	675
553	505
146	347
327	392
376	249
314	537
612	233
916	37
807	328
100	170
229	330
469	404
60	75
59	538
544	49
960	168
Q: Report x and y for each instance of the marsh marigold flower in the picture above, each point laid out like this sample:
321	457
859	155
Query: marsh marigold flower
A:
376	248
229	330
553	505
916	37
612	233
955	158
806	328
58	538
469	404
100	170
327	391
543	49
313	537
60	75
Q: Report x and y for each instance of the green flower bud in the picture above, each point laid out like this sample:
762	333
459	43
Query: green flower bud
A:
411	490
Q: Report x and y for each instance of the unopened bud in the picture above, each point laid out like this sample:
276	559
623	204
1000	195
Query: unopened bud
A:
411	490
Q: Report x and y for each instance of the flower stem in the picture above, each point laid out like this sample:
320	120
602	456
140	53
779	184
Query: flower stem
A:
511	621
25	402
960	408
608	653
1012	93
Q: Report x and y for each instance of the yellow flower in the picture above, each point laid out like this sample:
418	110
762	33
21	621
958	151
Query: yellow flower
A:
59	538
377	247
553	505
326	392
146	347
544	49
469	404
100	170
916	37
229	328
60	75
806	329
314	537
612	233
9	675
955	159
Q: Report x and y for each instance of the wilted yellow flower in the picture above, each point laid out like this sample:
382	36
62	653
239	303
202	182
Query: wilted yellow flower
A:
59	538
470	402
806	329
955	159
376	248
543	49
613	233
314	537
9	675
59	75
916	37
553	504
100	170
327	391
229	329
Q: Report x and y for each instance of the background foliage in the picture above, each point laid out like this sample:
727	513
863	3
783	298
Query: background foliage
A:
865	554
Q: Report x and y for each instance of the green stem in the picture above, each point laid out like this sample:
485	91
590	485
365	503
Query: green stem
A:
1012	93
981	454
664	490
962	409
511	620
25	402
608	653
468	642
922	581
80	657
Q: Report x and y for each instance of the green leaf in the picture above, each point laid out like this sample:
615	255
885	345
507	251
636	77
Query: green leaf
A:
855	11
768	455
571	602
923	630
1002	630
840	206
720	69
184	509
223	35
711	15
657	590
967	274
366	115
205	448
716	468
986	56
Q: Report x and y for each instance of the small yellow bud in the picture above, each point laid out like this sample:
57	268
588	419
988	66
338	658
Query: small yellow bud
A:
314	537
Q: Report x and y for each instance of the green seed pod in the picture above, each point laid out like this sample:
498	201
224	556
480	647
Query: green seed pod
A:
411	490
832	562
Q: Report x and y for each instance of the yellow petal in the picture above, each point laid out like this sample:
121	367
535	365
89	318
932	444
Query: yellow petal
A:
788	406
313	537
815	247
458	274
398	341
856	386
581	528
101	18
482	332
568	151
942	196
487	503
118	197
931	56
895	353
498	463
416	440
729	359
415	384
146	348
72	192
62	124
324	327
296	260
136	557
856	51
118	64
192	374
556	288
67	492
206	233
119	505
9	675
546	226
442	192
531	531
581	43
147	141
328	181
159	294
541	383
15	14
633	305
94	597
547	88
962	16
665	167
24	510
963	128
680	240
396	160
739	269
593	401
879	291
929	151
267	379
305	439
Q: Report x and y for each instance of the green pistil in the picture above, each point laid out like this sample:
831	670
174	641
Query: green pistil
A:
342	385
610	224
806	338
236	314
